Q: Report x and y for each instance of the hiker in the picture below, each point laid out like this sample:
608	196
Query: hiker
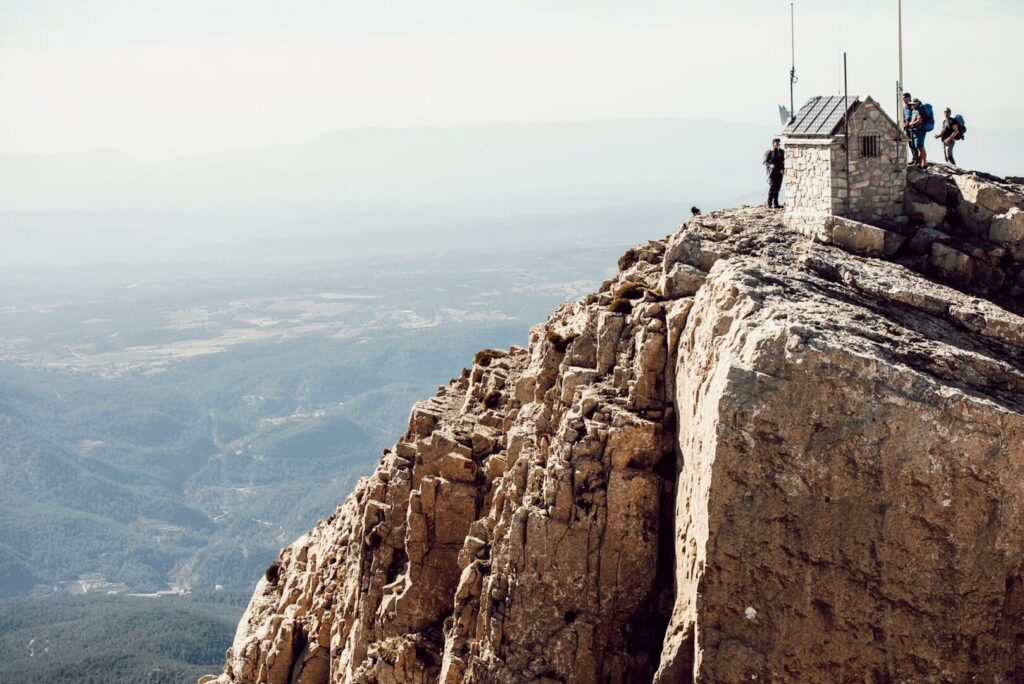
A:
908	114
952	130
919	127
775	167
694	212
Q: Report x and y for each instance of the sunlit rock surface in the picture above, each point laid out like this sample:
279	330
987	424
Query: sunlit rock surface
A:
749	457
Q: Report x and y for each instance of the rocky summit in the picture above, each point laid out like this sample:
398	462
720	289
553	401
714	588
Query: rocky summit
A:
756	454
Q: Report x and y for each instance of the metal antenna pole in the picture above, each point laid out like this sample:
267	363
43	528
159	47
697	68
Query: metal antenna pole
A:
899	83
792	71
846	127
900	25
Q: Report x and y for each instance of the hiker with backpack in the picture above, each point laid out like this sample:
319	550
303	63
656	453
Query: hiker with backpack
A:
908	114
922	122
953	129
775	167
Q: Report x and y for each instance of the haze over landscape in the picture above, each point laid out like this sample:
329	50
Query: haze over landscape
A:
239	239
145	130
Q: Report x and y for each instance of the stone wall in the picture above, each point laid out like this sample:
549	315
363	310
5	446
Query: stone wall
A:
877	184
808	181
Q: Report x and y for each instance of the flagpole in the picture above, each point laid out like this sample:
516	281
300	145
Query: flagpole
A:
792	70
846	130
899	83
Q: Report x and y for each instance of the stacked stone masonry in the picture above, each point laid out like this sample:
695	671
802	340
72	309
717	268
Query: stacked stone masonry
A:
808	181
819	184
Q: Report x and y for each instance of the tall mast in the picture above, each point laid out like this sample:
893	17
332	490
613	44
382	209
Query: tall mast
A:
792	70
846	130
899	83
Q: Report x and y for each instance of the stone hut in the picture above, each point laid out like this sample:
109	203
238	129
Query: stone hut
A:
863	178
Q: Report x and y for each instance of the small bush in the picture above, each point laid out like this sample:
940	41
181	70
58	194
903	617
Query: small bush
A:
628	259
559	342
484	357
631	290
273	573
622	306
622	298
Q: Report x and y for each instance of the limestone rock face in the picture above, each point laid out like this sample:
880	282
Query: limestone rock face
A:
1008	229
978	221
748	457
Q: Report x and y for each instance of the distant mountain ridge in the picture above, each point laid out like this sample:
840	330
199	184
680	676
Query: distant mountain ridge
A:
358	168
105	205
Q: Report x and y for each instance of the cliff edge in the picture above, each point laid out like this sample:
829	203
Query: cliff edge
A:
754	455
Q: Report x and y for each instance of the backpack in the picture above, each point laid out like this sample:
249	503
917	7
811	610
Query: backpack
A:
963	126
929	118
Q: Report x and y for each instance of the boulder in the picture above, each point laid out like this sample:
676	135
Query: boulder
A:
952	264
1008	229
921	242
857	237
682	280
981	201
930	188
925	211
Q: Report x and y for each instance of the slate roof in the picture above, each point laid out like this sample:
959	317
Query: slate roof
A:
821	116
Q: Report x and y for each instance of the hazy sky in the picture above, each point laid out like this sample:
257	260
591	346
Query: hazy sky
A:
165	78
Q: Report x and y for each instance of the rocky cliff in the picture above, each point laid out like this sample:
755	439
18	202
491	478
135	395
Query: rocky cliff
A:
752	456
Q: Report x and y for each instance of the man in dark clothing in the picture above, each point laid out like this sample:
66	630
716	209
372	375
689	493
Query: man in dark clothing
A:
775	166
950	133
908	114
